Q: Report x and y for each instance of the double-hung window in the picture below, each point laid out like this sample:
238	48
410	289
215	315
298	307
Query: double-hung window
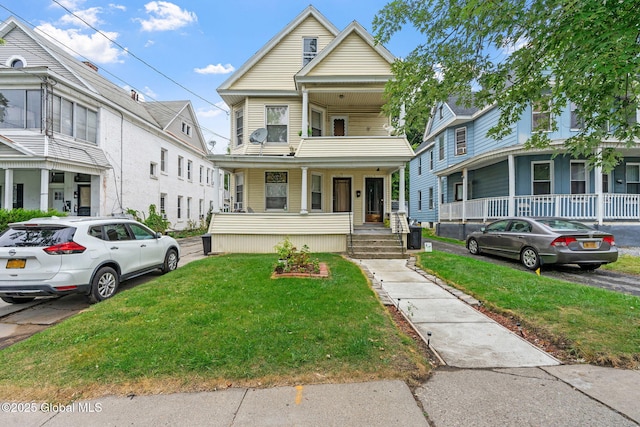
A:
633	178
542	177
276	190
316	192
180	166
461	141
541	116
578	178
577	122
277	123
309	49
419	200
163	160
189	169
441	147
239	126
239	192
431	198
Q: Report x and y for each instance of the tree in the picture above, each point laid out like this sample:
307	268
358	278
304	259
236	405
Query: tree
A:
516	53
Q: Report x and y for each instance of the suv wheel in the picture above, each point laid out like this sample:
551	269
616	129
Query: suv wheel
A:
104	285
170	261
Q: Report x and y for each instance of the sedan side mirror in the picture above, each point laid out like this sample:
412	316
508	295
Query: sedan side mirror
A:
483	229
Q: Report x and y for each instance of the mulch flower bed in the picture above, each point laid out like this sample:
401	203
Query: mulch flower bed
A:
323	273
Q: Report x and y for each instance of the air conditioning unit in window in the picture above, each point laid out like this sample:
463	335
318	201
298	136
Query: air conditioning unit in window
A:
164	216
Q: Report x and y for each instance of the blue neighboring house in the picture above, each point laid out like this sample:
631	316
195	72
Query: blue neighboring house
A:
460	178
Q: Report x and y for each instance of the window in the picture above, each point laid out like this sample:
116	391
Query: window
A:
163	204
180	165
201	209
498	226
316	192
153	169
201	174
419	200
239	192
186	129
20	109
606	182
577	122
208	174
62	116
239	126
163	160
457	191
17	63
276	190
441	147
542	177
316	123
430	160
277	123
431	198
179	207
541	116
309	49
461	141
86	124
189	169
633	178
578	178
188	207
420	165
440	112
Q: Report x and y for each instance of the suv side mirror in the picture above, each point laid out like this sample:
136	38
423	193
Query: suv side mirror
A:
158	235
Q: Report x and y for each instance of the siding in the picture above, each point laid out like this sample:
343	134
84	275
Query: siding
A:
489	181
275	70
353	56
422	182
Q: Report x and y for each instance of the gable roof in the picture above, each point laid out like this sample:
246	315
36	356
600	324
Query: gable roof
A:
167	113
310	11
354	28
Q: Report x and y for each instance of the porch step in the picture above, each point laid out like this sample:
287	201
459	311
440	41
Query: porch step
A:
375	242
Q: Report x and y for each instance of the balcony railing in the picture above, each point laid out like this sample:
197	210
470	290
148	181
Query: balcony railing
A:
578	206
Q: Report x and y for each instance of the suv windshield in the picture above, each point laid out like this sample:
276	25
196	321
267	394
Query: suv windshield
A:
36	236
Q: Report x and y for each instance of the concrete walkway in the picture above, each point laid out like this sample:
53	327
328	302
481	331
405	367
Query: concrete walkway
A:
491	377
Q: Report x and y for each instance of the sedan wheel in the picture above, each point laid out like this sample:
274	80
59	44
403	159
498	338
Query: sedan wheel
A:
104	285
473	247
530	258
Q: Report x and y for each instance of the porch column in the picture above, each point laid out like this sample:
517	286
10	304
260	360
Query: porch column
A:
401	208
439	197
305	113
303	199
216	190
464	194
44	190
599	192
512	185
8	189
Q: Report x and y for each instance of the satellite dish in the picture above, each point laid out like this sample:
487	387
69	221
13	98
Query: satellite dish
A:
258	136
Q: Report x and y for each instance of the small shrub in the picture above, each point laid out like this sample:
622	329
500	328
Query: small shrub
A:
292	260
154	220
17	215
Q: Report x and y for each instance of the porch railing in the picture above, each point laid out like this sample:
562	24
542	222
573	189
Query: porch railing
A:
578	206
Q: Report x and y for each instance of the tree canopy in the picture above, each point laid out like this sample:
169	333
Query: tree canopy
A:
517	53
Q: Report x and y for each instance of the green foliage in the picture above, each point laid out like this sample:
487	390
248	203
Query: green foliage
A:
17	215
154	220
292	260
514	54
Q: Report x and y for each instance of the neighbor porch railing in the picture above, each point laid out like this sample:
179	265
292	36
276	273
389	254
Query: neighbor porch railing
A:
579	206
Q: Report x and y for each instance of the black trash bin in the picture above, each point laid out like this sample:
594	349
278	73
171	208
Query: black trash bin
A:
206	243
415	237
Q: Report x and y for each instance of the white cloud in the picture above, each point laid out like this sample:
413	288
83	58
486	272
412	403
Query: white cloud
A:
69	4
118	7
164	16
92	46
213	111
509	46
79	17
151	94
149	43
215	69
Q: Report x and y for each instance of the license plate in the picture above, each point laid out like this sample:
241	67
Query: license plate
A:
16	263
590	245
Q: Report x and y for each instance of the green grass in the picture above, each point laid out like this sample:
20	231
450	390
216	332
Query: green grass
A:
429	233
211	323
628	264
596	325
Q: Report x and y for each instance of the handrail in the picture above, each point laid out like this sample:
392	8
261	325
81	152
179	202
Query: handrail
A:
352	252
399	229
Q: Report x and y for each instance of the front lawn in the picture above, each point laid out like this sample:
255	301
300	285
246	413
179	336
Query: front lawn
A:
595	325
213	323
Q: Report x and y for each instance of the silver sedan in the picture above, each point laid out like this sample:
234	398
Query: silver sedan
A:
540	241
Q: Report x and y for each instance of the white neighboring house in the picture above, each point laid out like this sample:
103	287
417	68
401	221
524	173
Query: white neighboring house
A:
72	140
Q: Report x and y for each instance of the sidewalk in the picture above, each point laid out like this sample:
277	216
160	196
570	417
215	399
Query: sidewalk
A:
490	377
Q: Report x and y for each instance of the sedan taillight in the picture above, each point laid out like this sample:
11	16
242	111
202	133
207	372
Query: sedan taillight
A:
65	249
610	240
563	241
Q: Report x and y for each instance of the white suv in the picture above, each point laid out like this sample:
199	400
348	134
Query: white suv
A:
91	256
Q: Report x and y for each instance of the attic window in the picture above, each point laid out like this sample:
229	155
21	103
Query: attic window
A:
309	49
186	129
17	63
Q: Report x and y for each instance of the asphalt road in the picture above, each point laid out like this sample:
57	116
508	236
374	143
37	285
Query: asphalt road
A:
599	278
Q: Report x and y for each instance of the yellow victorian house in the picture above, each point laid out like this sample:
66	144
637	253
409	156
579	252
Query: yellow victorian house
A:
311	154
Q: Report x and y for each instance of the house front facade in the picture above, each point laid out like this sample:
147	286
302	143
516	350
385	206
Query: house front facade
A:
460	178
311	154
73	141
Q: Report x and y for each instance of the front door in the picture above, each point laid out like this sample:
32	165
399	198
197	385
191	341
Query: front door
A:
374	199
342	194
84	200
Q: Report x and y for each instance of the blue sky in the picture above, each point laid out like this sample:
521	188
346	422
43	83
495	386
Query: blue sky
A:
182	49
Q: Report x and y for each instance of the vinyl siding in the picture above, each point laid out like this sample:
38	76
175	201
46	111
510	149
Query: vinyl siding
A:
275	70
422	182
489	181
353	57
